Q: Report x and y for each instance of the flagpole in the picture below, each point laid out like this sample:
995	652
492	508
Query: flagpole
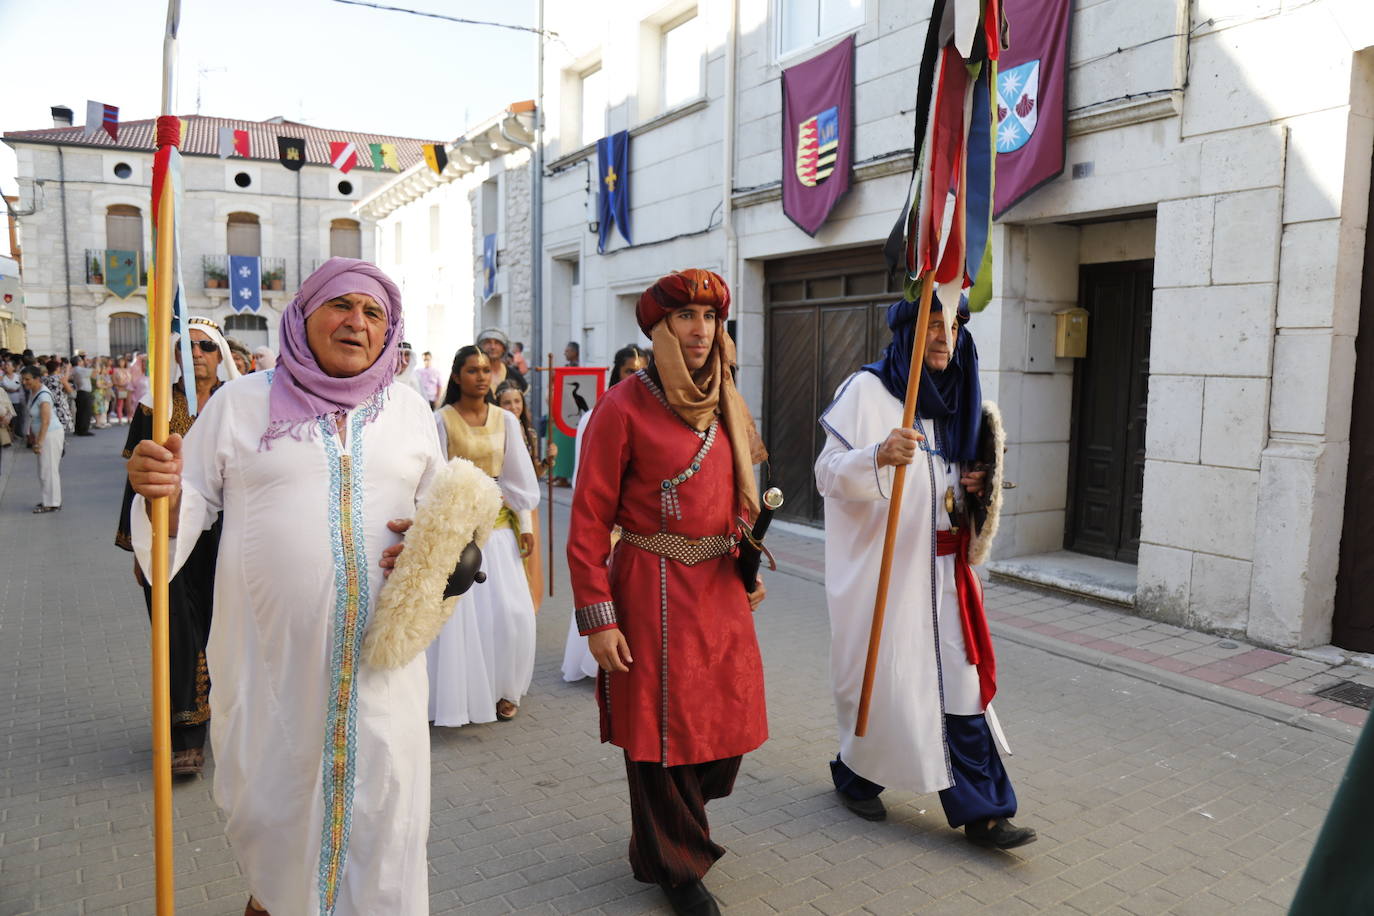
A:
894	506
159	326
549	433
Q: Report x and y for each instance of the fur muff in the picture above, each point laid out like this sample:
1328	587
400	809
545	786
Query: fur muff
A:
992	447
461	506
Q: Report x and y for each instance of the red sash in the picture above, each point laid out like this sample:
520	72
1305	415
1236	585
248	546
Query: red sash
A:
977	638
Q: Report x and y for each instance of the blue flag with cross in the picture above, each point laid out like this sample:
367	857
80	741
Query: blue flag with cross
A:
245	282
613	198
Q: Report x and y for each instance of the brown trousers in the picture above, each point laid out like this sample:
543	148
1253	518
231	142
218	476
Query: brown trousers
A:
670	840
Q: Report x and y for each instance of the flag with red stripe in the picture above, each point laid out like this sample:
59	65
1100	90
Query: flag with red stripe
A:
343	154
233	142
946	230
100	116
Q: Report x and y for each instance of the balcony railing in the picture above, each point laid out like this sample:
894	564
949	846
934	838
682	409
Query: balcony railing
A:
215	272
97	260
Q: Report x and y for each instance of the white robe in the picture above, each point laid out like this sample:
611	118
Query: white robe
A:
485	652
321	763
922	670
578	661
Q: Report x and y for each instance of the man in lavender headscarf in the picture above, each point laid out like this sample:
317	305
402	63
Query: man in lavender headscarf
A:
321	764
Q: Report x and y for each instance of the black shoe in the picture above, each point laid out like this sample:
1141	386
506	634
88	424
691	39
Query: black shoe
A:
691	899
870	809
1003	834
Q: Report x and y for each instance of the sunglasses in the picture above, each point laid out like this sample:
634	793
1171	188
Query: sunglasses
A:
206	346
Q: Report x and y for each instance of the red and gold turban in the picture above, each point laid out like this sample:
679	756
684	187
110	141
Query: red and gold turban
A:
694	286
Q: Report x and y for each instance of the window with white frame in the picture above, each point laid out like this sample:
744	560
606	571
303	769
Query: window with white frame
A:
593	104
491	205
680	61
803	23
345	238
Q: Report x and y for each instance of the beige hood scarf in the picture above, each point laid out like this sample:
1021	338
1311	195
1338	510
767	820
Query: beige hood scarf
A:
698	397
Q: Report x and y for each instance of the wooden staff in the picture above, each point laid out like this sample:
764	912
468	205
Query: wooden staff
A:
548	446
159	327
894	506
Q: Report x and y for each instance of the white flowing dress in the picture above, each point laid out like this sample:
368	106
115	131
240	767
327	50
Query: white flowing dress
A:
923	672
577	655
485	652
321	762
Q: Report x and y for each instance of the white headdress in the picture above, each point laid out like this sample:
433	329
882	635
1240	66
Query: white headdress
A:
227	370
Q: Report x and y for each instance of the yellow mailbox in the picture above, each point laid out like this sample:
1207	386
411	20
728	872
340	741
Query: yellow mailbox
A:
1071	333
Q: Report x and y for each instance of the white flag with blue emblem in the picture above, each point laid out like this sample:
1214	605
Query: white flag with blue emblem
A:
245	282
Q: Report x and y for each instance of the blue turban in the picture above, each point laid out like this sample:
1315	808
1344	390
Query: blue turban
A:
952	397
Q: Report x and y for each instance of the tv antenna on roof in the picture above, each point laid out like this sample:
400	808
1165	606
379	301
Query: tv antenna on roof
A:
200	80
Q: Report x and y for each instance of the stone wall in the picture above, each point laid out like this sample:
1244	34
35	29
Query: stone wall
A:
1228	141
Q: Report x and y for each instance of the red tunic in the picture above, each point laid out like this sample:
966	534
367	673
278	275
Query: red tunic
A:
708	677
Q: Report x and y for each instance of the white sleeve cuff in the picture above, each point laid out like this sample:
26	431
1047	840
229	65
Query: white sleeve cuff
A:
195	518
883	475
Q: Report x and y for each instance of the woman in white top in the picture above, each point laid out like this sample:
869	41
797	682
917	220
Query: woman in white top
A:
49	438
482	662
14	390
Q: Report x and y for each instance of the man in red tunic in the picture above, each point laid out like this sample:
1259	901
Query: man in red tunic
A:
668	457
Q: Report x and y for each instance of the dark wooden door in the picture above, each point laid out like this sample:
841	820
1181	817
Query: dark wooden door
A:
826	317
1110	390
1352	621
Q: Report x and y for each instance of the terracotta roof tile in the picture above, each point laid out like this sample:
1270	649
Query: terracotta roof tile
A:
203	139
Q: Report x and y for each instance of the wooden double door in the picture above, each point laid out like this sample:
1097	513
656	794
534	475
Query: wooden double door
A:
1110	391
826	317
1352	621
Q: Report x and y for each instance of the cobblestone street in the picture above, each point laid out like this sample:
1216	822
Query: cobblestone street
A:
1154	791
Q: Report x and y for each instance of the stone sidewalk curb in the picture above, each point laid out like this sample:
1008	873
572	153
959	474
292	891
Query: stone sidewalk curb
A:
1235	699
1183	683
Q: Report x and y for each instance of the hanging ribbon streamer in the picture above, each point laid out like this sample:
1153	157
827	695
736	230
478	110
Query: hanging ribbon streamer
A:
168	178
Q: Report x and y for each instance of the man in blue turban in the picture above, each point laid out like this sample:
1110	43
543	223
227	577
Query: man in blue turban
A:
931	724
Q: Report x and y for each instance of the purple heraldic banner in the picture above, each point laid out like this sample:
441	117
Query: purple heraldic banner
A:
1032	96
817	135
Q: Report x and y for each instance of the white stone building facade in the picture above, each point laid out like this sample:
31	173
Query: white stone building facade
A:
13	334
89	195
430	230
1211	215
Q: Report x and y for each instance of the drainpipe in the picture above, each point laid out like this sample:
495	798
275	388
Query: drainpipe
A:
66	250
537	316
300	277
727	188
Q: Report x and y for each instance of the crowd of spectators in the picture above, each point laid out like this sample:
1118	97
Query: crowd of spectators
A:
44	398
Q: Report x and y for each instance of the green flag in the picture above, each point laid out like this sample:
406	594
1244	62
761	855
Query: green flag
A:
384	156
121	272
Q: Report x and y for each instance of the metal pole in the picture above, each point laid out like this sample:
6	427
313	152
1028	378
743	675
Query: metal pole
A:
300	277
727	208
549	434
66	251
537	316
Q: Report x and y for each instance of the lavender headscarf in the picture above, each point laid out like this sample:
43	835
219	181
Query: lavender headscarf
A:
301	391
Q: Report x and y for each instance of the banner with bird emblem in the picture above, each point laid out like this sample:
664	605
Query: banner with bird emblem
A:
575	390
